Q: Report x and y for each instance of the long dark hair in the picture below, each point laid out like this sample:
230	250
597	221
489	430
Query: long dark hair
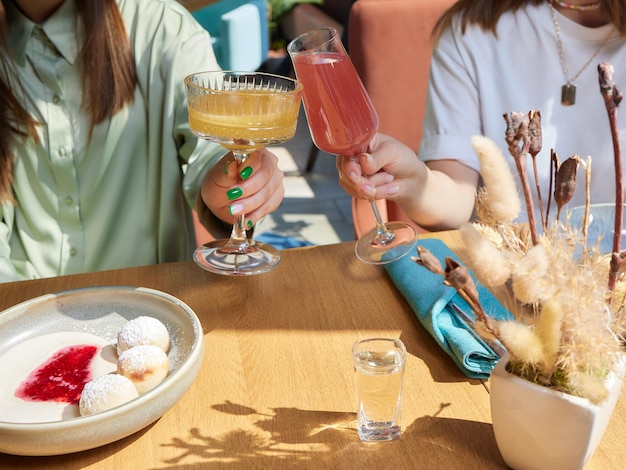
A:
108	78
486	13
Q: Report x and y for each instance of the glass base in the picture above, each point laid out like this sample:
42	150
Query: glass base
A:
398	241
221	257
376	432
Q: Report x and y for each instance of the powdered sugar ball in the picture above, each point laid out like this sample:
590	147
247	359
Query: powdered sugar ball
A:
145	365
106	392
143	330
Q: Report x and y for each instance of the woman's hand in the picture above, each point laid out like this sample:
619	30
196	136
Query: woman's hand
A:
389	170
255	188
438	195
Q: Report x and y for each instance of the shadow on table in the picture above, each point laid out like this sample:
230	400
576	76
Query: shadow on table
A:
71	461
295	438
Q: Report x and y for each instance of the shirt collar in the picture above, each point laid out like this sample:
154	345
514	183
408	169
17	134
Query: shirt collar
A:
60	28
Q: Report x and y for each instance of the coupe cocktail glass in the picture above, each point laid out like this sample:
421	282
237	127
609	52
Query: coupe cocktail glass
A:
243	112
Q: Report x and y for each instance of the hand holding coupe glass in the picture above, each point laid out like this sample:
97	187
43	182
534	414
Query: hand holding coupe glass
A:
242	112
343	121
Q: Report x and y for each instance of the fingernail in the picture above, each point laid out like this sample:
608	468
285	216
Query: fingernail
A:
388	178
234	193
226	166
249	224
354	176
368	190
392	190
235	209
245	173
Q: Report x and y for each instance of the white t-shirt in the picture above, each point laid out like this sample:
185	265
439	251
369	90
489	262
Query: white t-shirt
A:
476	78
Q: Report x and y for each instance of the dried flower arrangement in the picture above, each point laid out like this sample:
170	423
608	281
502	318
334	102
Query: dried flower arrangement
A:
569	299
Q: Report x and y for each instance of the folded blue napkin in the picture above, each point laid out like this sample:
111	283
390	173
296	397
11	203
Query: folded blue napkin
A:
430	299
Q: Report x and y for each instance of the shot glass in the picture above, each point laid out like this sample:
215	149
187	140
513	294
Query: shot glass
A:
378	374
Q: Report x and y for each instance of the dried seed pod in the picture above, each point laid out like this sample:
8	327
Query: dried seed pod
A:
428	260
458	276
565	182
536	142
607	84
534	132
516	134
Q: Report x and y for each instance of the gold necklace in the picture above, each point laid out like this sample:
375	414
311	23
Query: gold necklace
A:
568	91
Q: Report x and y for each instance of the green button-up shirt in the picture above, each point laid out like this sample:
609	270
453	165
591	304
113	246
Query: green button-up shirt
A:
122	197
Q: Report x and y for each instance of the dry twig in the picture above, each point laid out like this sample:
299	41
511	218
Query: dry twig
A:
536	142
612	98
519	142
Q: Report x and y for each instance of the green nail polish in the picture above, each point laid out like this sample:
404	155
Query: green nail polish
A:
245	173
249	224
234	193
235	209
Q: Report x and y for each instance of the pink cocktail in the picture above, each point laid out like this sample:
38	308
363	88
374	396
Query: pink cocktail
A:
341	116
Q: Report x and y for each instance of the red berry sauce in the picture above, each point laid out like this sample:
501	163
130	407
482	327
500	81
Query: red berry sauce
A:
61	378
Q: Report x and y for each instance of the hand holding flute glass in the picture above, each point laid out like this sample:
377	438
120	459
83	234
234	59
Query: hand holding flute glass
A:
342	121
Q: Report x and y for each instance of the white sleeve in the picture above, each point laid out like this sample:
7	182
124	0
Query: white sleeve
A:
452	113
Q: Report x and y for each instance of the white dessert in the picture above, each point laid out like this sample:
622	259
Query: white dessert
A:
141	331
106	392
145	365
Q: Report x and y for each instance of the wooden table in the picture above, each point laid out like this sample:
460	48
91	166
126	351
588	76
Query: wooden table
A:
275	389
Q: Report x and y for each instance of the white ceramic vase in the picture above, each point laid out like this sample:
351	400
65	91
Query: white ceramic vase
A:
538	428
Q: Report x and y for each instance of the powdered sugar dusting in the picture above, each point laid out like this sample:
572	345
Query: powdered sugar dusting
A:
143	330
106	392
146	365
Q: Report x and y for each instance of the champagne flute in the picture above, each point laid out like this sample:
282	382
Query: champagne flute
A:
342	121
241	111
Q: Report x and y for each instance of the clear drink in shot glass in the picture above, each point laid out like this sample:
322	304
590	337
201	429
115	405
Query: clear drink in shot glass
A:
379	372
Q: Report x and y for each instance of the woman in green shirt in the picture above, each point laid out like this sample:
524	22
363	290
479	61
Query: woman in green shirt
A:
98	166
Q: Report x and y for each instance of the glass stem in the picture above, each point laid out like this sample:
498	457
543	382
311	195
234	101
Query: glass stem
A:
238	236
383	235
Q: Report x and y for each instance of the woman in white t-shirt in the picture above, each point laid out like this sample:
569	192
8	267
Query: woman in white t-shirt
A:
493	58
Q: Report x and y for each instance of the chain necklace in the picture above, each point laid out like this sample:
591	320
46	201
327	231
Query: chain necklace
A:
569	6
568	91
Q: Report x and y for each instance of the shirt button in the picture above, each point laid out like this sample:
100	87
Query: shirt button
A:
62	151
69	201
56	99
73	251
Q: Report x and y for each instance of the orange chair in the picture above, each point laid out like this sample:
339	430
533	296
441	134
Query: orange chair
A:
390	44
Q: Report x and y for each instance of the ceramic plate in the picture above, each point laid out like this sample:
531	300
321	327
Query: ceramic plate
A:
99	311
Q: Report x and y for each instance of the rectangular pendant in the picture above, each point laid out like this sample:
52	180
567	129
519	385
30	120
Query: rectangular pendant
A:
568	94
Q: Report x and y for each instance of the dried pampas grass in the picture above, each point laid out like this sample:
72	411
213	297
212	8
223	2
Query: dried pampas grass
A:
497	176
564	335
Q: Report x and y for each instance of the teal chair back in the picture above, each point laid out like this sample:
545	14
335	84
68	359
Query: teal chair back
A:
239	31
